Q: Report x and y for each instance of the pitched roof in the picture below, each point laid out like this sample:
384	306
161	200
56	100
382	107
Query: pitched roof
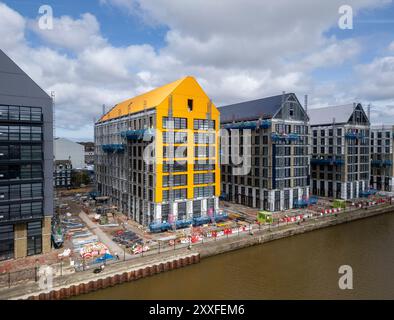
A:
264	108
136	104
326	115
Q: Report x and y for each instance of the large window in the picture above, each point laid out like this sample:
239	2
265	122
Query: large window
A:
177	180
204	152
204	138
178	123
200	192
177	137
202	124
13	113
17	211
20	133
198	166
20	172
177	152
34	238
20	152
202	178
6	242
21	191
176	194
175	167
197	208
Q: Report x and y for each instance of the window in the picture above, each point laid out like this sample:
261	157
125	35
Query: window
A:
291	110
175	167
204	178
202	124
34	238
203	166
181	210
190	104
6	242
204	152
177	152
177	180
197	208
178	123
176	194
203	192
177	137
15	113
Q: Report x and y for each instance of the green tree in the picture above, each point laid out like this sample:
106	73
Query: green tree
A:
79	177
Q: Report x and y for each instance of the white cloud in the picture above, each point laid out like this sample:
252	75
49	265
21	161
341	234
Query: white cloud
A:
72	34
12	27
238	50
391	47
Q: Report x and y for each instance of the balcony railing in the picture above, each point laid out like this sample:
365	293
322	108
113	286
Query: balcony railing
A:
381	163
113	148
285	136
264	124
19	217
137	135
328	161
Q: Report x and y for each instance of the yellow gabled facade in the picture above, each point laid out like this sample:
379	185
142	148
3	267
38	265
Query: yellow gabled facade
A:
186	88
157	103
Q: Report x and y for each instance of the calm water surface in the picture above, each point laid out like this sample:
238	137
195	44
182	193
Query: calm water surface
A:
301	267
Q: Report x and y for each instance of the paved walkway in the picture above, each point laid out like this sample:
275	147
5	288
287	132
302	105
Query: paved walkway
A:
103	237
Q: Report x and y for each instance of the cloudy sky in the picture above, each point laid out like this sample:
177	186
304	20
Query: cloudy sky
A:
103	51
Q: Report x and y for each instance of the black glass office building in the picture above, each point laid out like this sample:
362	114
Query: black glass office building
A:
26	164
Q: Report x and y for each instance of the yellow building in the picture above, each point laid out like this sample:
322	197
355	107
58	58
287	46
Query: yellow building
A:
180	182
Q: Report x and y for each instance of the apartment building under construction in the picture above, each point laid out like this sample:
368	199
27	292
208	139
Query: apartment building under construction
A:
278	149
382	169
177	125
340	163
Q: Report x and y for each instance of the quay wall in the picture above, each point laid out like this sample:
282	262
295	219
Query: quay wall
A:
106	281
260	237
81	283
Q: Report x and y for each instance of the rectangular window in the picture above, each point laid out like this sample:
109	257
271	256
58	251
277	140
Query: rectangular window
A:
176	194
190	104
34	238
175	123
6	242
203	166
175	167
204	138
203	124
177	137
200	192
177	180
204	178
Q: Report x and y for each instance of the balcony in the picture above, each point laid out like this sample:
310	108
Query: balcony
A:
138	135
7	218
113	148
327	161
284	137
263	124
355	136
381	163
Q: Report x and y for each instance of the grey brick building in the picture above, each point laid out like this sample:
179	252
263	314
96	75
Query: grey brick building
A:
382	157
279	147
340	163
